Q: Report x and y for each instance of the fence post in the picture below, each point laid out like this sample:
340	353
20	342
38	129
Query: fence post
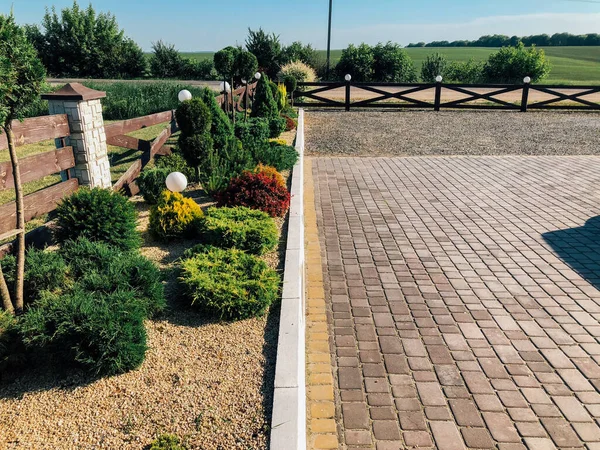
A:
525	98
438	93
88	139
348	78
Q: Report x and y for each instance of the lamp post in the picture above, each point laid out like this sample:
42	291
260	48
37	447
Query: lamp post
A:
257	77
525	97
329	39
225	88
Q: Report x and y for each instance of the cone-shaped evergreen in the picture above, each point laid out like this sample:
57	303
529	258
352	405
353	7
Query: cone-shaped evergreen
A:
264	103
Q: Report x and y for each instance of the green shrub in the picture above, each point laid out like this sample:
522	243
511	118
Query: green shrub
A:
253	133
174	216
290	83
221	128
151	183
98	268
195	148
282	157
222	165
99	215
277	126
470	71
167	442
12	349
241	228
434	65
512	64
230	284
264	104
104	332
392	64
175	162
193	117
356	61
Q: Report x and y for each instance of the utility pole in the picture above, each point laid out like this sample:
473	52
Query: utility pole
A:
329	39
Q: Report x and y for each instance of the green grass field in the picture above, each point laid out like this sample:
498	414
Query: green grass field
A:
570	65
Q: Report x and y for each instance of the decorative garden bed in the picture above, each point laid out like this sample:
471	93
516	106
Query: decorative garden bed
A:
206	377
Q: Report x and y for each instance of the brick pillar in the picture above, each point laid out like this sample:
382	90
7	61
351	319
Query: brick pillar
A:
88	139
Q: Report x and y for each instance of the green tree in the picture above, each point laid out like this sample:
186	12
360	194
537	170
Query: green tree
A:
512	64
392	64
434	65
22	75
79	42
167	62
356	61
267	49
297	51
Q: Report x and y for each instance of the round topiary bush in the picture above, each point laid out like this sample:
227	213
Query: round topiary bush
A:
193	117
174	216
256	191
151	183
99	215
241	228
228	283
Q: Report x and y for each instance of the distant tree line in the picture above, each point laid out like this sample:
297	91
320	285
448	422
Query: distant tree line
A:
500	40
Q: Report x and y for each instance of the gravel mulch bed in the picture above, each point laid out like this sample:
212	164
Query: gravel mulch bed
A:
460	132
210	383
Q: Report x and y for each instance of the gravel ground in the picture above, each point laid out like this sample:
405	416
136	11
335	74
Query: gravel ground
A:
412	133
209	383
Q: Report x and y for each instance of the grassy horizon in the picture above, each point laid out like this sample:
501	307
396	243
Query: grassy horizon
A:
569	65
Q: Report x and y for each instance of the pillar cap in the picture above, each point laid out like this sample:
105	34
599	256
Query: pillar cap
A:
74	92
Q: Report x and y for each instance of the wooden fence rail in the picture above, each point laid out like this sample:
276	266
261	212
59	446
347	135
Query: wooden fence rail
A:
349	95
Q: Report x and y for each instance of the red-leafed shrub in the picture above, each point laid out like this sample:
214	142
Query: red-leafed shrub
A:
290	123
256	191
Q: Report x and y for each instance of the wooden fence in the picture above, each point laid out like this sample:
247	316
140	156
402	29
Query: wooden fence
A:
349	95
35	167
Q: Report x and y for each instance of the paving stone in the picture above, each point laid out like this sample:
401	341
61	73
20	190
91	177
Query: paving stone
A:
386	430
501	427
477	438
446	436
561	432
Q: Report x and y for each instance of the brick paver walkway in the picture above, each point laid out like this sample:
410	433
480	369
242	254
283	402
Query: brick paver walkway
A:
463	299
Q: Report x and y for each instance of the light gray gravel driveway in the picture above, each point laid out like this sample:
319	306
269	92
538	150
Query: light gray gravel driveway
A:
420	133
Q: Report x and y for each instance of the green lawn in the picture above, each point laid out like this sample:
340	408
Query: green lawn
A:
570	65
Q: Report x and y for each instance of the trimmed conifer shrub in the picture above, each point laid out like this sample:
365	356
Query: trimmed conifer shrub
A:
264	104
104	332
174	216
242	228
221	128
98	215
228	283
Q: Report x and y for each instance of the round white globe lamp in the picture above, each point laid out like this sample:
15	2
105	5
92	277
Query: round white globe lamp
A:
438	79
527	80
184	95
257	75
225	87
348	77
176	182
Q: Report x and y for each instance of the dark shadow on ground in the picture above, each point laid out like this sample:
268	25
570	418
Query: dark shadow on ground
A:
579	248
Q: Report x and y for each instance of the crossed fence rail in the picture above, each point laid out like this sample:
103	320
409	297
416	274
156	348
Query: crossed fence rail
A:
400	95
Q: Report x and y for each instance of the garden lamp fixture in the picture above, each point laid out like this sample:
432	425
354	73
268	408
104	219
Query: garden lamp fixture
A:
184	95
257	75
438	79
176	182
244	82
527	80
348	77
225	87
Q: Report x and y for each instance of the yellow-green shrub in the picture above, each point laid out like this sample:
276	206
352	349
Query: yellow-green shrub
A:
282	97
278	141
174	216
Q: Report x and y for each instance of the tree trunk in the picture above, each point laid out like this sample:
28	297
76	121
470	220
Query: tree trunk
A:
5	295
20	275
233	108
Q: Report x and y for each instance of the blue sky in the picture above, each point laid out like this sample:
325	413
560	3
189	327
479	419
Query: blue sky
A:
196	25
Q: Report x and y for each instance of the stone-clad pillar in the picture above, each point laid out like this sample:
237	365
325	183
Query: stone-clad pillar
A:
88	139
